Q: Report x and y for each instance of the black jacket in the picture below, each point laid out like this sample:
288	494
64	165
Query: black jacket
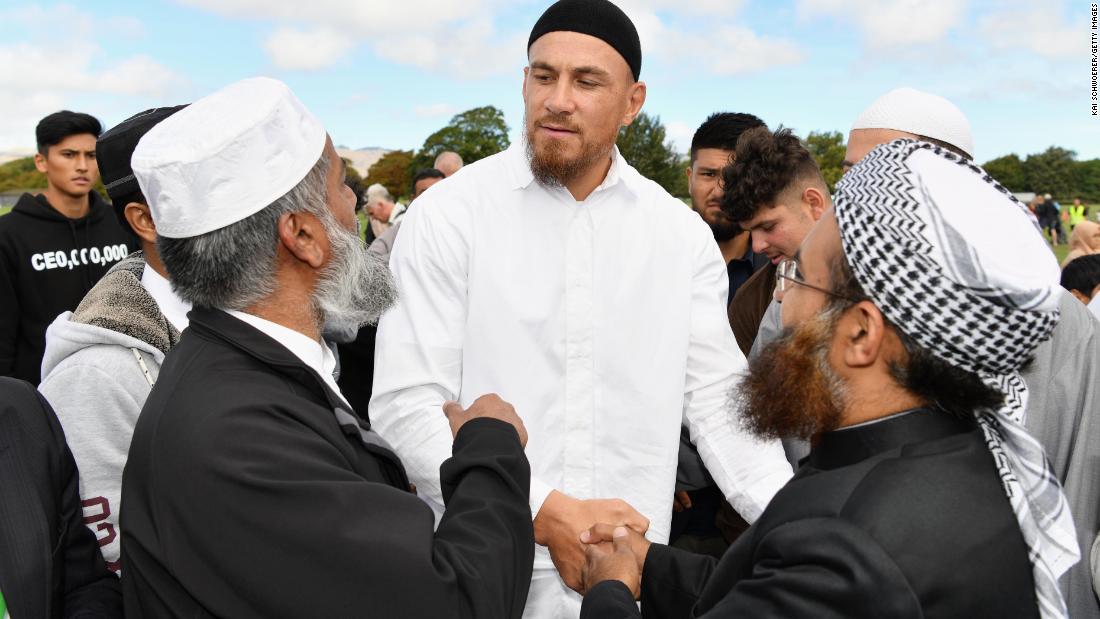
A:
50	564
901	518
48	262
244	497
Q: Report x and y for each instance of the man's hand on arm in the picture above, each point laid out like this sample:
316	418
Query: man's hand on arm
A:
561	520
622	561
490	406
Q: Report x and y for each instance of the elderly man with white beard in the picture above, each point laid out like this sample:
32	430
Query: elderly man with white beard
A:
252	488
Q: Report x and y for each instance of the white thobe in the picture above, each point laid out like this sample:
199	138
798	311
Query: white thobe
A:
602	321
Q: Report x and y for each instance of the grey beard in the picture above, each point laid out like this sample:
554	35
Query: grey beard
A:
355	288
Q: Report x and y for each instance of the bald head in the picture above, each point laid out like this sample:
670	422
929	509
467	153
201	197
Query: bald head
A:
448	162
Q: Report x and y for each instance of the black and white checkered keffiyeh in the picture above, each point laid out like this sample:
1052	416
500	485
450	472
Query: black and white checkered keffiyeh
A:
952	259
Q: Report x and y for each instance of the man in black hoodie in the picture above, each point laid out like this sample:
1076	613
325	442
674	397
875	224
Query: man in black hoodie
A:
54	246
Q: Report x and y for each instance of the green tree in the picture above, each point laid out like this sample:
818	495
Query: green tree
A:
1086	181
392	171
1008	171
1051	171
21	174
643	145
352	176
828	150
473	134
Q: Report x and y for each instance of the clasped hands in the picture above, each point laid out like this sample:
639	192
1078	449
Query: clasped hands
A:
593	540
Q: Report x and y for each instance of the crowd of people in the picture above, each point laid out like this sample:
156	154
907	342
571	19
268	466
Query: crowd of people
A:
544	387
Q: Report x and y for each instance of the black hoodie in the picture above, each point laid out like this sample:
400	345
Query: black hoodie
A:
48	262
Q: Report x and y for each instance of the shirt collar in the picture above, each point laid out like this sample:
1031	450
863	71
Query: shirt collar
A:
847	446
311	352
171	305
521	169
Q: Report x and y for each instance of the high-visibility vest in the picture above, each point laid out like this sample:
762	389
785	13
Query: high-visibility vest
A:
1076	214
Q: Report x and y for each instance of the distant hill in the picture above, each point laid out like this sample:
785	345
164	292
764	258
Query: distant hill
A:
362	158
12	155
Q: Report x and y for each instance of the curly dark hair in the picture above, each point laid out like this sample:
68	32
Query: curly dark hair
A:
764	165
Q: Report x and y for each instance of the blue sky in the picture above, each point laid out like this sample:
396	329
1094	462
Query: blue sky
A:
390	72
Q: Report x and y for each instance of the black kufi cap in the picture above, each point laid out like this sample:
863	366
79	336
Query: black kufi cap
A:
115	147
598	18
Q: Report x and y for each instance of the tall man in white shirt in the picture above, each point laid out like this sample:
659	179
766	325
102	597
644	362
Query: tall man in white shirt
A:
588	297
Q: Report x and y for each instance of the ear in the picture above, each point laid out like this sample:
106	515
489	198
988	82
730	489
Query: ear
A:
687	171
634	105
816	200
141	220
523	89
40	162
862	331
302	234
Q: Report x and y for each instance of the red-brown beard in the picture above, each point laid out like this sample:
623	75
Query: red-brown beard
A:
549	164
790	390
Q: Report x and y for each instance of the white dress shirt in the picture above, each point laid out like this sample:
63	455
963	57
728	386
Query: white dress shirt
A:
1094	305
308	350
602	321
174	308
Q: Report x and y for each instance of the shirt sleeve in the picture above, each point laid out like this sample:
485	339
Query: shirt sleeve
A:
89	588
98	414
418	354
749	471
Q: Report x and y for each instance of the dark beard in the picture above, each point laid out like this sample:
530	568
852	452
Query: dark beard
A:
724	230
550	167
790	391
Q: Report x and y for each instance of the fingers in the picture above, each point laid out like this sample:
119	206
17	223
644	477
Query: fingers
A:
452	408
597	533
683	499
637	522
620	538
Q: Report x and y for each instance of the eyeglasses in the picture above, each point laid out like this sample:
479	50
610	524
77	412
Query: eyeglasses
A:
787	274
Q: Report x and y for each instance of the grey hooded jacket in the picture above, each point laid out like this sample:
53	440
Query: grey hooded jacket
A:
99	367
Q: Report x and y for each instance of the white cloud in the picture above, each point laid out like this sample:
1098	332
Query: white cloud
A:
461	39
715	8
438	35
307	50
49	76
722	50
891	23
1041	31
434	110
680	134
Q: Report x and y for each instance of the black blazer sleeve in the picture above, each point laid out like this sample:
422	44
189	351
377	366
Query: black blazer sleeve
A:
274	507
822	568
671	583
609	599
40	513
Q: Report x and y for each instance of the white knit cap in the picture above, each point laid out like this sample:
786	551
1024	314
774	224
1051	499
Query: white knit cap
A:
226	157
920	113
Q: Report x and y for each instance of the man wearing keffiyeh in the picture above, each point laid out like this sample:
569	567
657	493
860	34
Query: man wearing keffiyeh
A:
907	318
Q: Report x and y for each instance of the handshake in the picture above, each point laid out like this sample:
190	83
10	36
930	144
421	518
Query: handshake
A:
593	540
589	540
